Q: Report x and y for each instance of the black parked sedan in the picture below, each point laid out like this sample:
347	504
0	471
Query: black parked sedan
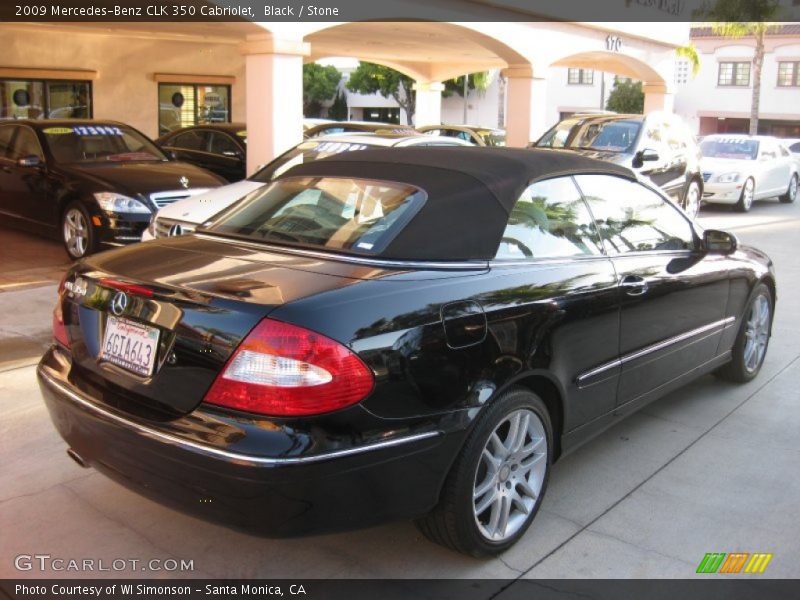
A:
383	335
89	183
221	148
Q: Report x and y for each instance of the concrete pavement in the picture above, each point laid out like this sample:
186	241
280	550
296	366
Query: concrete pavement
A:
710	468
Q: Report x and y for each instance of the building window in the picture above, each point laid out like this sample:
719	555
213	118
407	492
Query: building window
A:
384	115
44	99
182	105
789	74
734	74
580	77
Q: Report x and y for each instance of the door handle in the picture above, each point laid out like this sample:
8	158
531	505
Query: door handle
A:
634	285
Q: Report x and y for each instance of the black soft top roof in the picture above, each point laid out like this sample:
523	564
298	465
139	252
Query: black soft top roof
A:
470	191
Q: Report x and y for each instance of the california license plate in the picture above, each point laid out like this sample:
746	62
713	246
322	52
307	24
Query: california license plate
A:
130	345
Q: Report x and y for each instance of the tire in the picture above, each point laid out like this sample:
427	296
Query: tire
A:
463	521
77	231
746	198
744	366
791	191
691	200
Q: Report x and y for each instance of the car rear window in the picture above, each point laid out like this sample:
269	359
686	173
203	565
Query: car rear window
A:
332	213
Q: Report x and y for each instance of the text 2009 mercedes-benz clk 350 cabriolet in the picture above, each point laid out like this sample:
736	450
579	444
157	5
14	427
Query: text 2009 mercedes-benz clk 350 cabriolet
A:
409	334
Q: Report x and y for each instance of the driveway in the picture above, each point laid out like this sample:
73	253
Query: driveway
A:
710	468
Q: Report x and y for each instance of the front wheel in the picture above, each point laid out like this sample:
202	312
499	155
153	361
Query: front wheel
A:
77	232
497	483
750	347
691	200
746	197
791	191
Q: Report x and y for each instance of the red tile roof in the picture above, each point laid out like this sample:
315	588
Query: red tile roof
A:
781	29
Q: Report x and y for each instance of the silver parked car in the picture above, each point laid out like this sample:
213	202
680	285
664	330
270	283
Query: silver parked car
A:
184	217
739	169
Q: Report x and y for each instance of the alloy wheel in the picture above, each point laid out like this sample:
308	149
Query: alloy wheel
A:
756	333
510	475
692	204
793	189
76	232
747	194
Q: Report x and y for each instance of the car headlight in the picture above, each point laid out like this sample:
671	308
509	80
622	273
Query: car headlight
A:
728	177
117	203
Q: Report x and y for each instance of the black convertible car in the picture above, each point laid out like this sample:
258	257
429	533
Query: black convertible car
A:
382	335
92	184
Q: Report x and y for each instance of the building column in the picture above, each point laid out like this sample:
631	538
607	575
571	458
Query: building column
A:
274	82
526	112
428	103
657	97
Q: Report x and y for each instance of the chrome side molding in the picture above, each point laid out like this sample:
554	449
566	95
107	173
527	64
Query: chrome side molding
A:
618	362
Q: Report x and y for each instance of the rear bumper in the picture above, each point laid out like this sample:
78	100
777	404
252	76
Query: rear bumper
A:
395	478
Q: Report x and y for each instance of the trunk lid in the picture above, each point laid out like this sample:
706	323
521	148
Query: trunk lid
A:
202	296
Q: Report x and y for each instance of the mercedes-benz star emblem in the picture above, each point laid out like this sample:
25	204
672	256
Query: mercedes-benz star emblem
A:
175	230
119	303
184	181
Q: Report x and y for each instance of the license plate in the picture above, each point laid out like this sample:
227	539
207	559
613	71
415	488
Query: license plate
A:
130	345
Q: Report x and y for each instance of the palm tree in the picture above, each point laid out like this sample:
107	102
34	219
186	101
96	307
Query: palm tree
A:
736	19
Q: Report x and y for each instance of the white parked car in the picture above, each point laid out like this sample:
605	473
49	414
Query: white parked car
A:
739	169
184	216
793	145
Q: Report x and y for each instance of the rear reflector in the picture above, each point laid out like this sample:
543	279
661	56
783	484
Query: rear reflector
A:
285	370
59	329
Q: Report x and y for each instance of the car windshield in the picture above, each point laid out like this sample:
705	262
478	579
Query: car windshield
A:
733	148
611	135
334	213
492	138
557	136
99	143
303	153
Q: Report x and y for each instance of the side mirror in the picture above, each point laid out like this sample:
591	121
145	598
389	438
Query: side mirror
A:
29	162
719	242
643	156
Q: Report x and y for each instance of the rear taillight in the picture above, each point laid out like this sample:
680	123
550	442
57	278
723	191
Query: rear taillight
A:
285	370
59	329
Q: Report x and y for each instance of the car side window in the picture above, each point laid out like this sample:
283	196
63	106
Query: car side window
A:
189	140
222	144
550	219
795	147
634	218
26	144
6	135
